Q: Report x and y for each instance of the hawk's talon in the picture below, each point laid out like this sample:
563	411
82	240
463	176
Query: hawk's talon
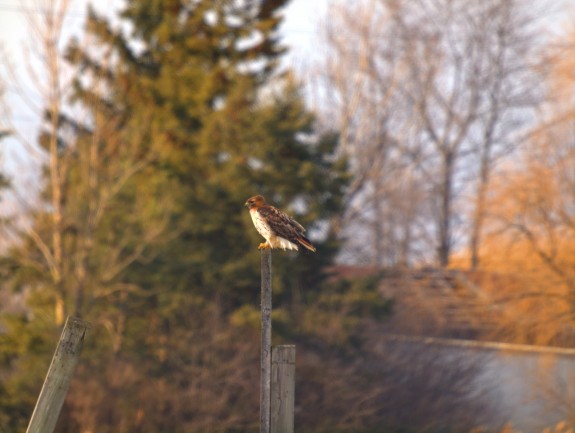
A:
263	246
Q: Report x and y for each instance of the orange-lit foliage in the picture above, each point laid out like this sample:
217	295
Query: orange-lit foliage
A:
531	240
529	248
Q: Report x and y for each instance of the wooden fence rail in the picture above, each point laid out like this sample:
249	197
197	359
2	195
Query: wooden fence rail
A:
58	379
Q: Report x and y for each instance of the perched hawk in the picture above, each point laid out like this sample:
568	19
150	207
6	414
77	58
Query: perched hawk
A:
279	230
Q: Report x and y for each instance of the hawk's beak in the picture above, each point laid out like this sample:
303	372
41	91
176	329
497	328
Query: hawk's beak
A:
246	204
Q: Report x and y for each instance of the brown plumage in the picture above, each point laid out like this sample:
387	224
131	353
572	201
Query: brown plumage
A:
279	229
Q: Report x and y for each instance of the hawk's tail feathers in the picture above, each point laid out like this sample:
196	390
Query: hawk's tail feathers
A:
306	243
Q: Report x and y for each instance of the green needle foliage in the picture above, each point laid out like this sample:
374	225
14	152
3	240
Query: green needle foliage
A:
184	117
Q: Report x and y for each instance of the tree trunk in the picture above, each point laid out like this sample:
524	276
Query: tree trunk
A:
446	197
478	216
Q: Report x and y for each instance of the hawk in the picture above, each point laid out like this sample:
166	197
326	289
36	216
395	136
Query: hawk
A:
278	229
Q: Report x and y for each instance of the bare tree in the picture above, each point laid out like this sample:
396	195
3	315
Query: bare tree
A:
529	229
512	58
45	26
435	91
90	161
470	82
362	78
531	214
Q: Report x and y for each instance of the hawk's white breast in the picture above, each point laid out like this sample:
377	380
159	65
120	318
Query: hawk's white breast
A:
261	224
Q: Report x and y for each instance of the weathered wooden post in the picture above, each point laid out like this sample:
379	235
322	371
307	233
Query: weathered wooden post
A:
266	343
58	379
283	389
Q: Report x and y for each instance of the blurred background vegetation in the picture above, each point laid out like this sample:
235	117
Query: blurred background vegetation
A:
440	135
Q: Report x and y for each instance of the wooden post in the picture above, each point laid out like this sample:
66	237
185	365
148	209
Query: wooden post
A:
283	389
57	380
266	345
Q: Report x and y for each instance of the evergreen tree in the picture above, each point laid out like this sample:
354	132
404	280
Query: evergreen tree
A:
194	84
187	118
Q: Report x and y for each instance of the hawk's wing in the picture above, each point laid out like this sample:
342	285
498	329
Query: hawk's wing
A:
281	224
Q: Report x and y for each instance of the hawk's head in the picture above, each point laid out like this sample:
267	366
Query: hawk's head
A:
255	202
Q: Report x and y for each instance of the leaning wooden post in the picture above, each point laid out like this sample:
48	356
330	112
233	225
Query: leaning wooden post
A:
283	389
266	349
57	380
